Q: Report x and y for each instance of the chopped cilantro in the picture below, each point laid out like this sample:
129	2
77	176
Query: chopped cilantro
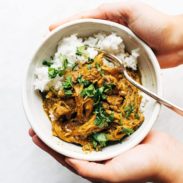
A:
127	131
108	87
61	72
68	92
99	139
80	50
83	81
52	72
99	69
137	116
90	60
94	143
47	63
67	84
100	92
74	66
128	110
121	120
89	91
97	93
64	61
102	118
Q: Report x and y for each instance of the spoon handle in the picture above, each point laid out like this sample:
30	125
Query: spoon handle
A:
168	104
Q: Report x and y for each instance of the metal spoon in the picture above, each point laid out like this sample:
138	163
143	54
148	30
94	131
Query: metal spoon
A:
161	100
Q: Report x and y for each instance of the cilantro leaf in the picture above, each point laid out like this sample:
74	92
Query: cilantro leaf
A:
80	50
100	92
52	72
128	110
102	118
108	87
67	84
64	61
99	139
90	60
127	131
74	66
47	63
137	116
82	81
68	92
99	69
89	91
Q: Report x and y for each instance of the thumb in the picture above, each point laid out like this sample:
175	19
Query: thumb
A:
90	170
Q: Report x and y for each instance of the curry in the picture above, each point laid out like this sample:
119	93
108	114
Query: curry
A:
95	106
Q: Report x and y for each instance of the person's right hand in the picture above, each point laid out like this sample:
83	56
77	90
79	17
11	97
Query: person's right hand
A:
163	33
158	158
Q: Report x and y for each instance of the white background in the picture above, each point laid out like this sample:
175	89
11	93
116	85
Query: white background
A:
23	24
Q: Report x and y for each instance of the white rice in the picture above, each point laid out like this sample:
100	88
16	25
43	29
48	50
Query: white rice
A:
68	46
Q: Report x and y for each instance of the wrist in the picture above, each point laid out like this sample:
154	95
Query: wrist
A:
170	167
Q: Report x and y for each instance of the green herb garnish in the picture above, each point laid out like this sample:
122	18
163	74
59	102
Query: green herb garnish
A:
47	63
68	92
90	60
80	50
99	139
102	118
100	92
64	61
128	110
83	81
127	131
67	84
137	116
99	69
74	66
109	87
52	72
89	91
121	120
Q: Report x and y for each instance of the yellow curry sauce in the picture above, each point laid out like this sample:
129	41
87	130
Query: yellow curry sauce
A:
95	106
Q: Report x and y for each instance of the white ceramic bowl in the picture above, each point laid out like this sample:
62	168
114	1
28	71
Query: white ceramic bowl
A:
149	69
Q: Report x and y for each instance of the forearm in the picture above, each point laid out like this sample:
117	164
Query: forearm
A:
170	169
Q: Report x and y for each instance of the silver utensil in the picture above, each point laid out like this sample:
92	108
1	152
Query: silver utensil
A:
161	100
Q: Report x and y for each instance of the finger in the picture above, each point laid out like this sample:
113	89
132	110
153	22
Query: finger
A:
57	156
44	147
117	12
90	170
87	14
170	60
31	132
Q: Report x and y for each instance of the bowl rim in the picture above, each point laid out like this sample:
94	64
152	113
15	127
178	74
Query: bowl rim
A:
139	138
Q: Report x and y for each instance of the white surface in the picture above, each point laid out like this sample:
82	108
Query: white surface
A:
23	24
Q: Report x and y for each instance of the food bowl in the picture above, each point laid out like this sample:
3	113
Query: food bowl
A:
149	69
